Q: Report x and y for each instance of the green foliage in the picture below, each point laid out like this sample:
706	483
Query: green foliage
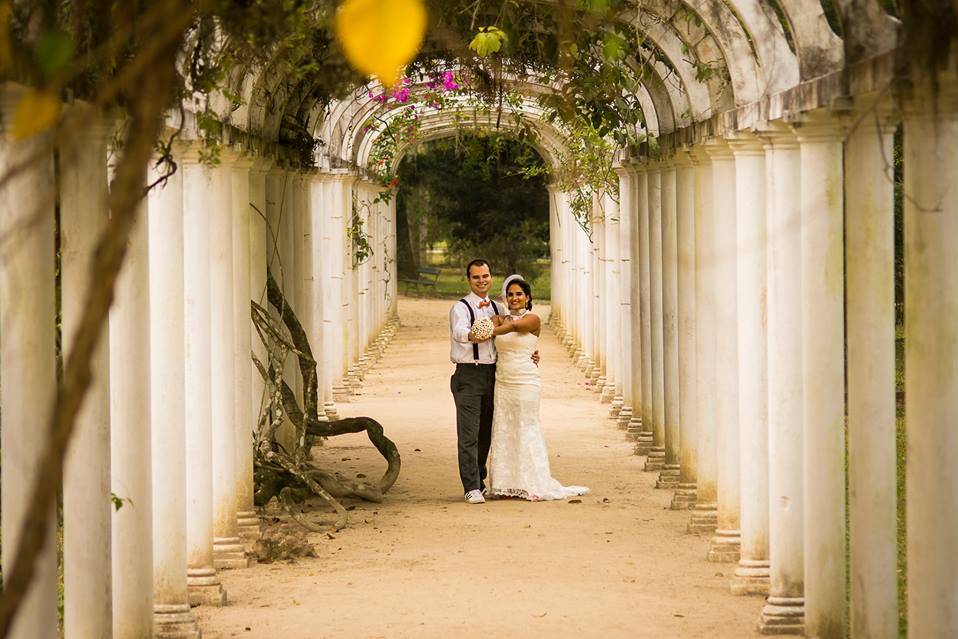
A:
488	40
118	502
482	194
356	231
53	50
586	168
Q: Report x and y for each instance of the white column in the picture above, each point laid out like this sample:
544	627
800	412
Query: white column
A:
624	238
204	583
352	301
785	609
244	416
86	481
555	260
171	608
724	546
279	260
27	357
597	303
656	458
588	283
314	279
870	321
645	438
257	277
684	496
318	283
613	377
669	476
751	574
823	369
130	354
324	264
703	517
931	351
228	551
341	277
291	253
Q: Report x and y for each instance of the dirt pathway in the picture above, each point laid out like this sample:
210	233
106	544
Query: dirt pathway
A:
425	564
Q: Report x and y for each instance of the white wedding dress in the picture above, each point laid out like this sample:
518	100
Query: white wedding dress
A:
519	465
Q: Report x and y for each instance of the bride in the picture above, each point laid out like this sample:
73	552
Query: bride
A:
519	458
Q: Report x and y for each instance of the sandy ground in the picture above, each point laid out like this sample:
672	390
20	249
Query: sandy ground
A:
425	564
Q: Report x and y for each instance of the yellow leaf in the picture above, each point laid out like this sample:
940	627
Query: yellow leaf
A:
6	50
36	112
379	37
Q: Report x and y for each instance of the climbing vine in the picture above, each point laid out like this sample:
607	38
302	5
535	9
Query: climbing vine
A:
362	250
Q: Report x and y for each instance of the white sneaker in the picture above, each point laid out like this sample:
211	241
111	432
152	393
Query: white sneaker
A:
475	497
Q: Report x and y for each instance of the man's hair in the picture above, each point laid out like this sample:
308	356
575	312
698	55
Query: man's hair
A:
477	262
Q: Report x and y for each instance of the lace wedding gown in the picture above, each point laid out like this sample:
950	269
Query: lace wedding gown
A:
519	458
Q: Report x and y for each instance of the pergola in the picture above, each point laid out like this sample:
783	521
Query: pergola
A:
734	305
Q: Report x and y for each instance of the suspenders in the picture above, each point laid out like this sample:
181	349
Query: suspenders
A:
472	320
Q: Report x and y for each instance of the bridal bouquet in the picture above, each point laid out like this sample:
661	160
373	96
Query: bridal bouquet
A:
482	329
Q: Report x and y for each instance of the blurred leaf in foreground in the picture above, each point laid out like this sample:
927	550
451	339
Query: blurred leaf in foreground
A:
379	37
37	111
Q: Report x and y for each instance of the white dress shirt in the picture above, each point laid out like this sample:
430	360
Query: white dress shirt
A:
459	327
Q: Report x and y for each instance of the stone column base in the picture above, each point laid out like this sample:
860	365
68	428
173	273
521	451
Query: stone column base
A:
751	577
204	587
617	404
684	497
174	621
247	524
668	477
634	429
341	391
624	417
643	445
704	519
229	553
598	383
608	391
783	616
655	460
725	547
330	409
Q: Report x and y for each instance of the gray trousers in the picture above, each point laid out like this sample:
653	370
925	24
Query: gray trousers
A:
473	387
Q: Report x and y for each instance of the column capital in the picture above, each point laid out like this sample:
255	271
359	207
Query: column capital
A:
261	164
698	155
188	152
96	125
820	126
718	149
683	158
744	143
778	135
236	158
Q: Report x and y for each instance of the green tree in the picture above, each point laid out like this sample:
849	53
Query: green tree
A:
484	193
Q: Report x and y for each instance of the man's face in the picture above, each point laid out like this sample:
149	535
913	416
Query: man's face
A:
480	279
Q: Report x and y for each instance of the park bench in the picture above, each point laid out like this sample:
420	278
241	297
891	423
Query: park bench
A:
425	276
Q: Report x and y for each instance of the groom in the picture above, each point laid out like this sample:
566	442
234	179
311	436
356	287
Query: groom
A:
473	384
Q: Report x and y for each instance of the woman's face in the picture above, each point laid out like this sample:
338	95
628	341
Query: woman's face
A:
516	297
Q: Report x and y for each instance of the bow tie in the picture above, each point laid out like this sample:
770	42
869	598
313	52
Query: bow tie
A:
484	303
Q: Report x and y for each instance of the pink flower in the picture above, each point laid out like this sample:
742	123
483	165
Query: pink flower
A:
402	95
449	81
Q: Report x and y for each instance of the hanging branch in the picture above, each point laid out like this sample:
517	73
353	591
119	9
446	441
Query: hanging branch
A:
288	475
